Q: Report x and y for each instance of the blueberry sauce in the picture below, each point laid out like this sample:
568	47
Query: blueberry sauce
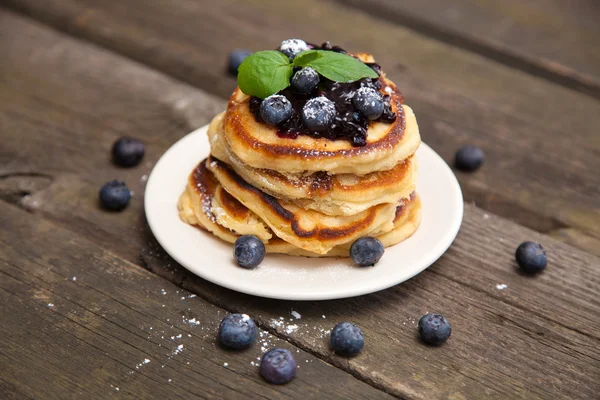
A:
349	124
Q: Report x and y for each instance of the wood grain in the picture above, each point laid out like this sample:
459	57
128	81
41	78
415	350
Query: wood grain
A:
79	321
540	139
554	39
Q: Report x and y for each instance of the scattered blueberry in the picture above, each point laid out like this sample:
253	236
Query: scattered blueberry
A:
278	366
292	47
114	195
366	251
531	257
469	158
305	81
275	109
127	152
434	329
235	60
369	102
347	339
318	114
237	331
248	251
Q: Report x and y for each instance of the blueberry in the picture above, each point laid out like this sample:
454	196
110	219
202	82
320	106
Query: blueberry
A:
275	109
305	81
369	102
434	329
114	195
292	47
248	251
347	339
278	366
127	152
237	331
366	251
318	114
235	60
531	257
468	158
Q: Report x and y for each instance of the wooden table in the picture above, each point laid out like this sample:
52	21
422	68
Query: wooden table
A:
93	308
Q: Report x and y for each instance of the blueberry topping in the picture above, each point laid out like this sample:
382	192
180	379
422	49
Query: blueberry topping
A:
278	366
347	339
366	251
305	81
369	102
235	60
275	109
434	329
469	158
531	257
114	195
318	114
292	47
127	152
248	251
237	331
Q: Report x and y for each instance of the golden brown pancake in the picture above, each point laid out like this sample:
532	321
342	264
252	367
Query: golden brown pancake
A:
202	189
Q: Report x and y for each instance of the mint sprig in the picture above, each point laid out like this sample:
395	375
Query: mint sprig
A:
267	72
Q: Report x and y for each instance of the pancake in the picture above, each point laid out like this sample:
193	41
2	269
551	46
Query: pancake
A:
258	145
307	229
320	191
406	218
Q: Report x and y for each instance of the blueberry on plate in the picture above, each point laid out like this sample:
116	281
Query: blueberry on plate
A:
275	109
278	366
292	47
347	339
248	251
237	331
369	102
236	57
434	329
366	251
318	114
114	195
531	257
127	152
305	81
469	158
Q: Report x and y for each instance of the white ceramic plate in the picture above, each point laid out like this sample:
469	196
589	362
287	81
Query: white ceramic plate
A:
299	278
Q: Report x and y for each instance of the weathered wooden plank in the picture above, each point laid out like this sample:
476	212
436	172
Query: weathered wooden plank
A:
540	139
78	320
554	39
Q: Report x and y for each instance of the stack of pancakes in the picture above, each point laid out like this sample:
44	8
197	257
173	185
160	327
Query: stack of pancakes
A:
306	196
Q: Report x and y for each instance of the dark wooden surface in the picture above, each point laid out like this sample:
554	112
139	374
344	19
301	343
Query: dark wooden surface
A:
64	98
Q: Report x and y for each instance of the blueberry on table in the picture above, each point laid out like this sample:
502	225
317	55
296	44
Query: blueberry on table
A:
278	366
127	152
531	257
275	109
305	80
347	339
469	158
114	195
318	114
366	251
248	251
434	329
237	331
236	57
369	102
292	47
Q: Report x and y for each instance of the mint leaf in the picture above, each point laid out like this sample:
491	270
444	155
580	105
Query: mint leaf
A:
304	58
336	66
264	73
